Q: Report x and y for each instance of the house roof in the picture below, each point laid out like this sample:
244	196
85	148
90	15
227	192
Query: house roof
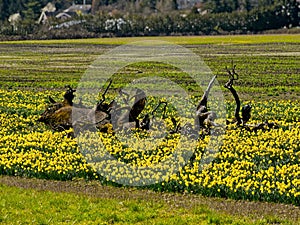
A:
49	8
14	18
76	8
62	15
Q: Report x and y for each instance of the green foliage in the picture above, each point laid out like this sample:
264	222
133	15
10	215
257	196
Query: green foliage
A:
10	7
219	6
62	4
257	20
32	10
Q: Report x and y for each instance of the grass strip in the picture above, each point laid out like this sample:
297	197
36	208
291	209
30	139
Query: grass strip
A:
33	201
186	40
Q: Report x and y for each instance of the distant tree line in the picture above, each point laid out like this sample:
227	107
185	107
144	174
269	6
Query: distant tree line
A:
149	17
238	22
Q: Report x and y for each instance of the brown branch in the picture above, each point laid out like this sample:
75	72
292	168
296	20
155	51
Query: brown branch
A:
238	104
138	106
204	99
234	76
159	104
202	114
131	114
69	96
101	106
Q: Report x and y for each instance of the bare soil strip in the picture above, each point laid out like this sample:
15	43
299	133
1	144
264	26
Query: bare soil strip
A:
255	210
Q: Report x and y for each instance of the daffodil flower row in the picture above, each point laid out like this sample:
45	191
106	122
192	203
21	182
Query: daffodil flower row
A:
261	165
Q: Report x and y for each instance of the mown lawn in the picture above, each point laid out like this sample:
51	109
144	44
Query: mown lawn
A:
20	206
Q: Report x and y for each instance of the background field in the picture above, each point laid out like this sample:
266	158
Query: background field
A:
268	65
251	166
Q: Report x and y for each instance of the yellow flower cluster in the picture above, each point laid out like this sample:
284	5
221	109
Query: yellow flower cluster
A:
40	154
262	165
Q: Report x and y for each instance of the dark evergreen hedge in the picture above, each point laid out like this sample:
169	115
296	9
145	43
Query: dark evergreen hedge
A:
102	25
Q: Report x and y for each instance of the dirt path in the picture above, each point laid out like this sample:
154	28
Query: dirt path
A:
255	210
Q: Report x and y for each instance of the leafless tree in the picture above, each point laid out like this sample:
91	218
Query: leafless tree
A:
246	110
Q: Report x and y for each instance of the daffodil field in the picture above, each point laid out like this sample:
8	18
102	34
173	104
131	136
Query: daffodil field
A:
262	165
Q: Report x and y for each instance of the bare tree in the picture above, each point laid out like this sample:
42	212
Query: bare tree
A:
246	110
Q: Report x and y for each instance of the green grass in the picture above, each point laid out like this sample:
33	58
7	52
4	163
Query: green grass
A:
29	206
190	40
